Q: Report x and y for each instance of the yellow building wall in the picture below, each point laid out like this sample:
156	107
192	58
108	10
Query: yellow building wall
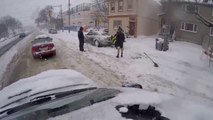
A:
147	11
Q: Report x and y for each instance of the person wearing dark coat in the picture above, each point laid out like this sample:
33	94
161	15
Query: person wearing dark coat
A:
81	39
120	38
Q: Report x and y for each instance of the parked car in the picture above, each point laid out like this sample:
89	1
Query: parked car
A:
99	39
67	94
53	31
22	35
43	46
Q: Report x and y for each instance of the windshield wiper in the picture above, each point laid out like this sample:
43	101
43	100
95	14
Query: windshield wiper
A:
44	99
36	94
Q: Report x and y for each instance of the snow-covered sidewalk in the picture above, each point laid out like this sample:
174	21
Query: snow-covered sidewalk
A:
7	41
183	71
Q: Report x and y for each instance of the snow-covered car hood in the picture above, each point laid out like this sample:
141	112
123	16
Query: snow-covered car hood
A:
43	82
170	106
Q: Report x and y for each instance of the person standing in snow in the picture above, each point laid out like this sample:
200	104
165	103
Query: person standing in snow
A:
81	39
120	38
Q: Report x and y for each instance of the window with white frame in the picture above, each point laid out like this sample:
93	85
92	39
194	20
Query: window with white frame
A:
189	27
120	5
211	31
112	6
116	24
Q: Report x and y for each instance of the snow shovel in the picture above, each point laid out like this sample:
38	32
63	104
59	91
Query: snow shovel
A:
155	64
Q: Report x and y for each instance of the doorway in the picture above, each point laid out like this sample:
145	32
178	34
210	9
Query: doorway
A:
131	28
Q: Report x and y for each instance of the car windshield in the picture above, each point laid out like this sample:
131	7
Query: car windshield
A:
164	47
66	102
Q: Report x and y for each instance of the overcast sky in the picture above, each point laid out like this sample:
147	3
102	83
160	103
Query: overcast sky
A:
26	10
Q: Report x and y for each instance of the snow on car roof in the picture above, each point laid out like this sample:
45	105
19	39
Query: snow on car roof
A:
41	36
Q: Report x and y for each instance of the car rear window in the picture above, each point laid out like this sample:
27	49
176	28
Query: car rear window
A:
41	40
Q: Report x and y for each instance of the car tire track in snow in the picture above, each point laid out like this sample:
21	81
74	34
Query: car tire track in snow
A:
24	65
90	68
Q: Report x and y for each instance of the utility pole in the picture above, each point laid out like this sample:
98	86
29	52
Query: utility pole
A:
62	22
69	14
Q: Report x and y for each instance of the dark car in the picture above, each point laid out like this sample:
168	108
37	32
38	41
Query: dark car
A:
22	35
43	46
53	31
99	39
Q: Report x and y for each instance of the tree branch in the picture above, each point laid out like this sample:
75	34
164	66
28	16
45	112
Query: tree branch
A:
201	18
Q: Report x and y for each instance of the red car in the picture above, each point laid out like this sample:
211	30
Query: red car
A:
43	46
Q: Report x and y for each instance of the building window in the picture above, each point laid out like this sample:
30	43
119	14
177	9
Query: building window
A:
190	8
116	24
189	27
211	31
129	4
112	6
120	5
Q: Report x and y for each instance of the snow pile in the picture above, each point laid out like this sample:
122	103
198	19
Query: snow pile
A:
8	56
141	97
5	60
123	110
181	109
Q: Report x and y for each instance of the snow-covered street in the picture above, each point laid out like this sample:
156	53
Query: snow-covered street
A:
183	70
22	64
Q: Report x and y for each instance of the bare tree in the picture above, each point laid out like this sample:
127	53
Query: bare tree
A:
100	11
3	30
44	16
194	6
10	23
200	17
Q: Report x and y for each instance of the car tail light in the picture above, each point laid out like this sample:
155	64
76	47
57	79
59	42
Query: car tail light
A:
33	49
50	46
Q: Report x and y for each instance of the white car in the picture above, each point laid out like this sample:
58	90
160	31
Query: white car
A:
68	95
98	38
